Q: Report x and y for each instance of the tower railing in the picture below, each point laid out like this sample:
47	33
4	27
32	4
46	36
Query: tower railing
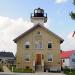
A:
39	15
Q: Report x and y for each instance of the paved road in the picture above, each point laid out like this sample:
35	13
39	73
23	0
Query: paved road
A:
40	73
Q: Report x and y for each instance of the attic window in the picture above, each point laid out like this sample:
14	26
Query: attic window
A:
38	33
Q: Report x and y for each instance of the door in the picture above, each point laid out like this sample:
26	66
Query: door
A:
38	59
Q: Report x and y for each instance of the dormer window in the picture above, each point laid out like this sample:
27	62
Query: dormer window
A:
27	44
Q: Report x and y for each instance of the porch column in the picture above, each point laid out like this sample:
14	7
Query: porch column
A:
42	65
34	65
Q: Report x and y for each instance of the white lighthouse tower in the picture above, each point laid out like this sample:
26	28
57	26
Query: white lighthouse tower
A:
39	17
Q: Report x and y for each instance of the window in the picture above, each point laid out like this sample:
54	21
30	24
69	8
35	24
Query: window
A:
38	45
38	32
50	58
27	57
27	44
49	45
73	60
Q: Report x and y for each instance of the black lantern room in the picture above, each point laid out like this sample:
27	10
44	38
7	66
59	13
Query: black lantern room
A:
39	13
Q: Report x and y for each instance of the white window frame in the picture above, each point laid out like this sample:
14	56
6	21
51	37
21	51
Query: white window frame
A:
51	57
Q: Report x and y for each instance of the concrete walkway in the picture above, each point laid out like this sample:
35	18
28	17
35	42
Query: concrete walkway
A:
40	73
5	68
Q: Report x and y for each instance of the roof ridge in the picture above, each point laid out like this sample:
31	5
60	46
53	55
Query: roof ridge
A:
34	28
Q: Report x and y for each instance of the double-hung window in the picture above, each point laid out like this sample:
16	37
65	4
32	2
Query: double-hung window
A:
73	59
38	44
50	58
49	45
27	57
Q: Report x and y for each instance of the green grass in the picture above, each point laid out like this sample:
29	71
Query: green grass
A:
21	70
67	72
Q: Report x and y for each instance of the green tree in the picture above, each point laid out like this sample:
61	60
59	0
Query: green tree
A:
72	14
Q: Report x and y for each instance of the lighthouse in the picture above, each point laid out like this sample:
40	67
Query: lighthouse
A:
38	17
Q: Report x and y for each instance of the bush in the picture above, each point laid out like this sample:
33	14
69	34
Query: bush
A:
1	68
67	71
28	70
23	70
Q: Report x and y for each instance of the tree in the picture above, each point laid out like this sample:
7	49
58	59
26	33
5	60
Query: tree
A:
72	14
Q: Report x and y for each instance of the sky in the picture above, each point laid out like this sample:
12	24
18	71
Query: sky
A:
15	19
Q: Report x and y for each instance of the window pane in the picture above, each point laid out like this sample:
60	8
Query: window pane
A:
27	46
38	45
49	45
73	60
49	57
38	32
27	57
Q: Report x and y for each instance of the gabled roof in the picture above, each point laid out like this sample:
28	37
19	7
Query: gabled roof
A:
66	54
6	54
34	27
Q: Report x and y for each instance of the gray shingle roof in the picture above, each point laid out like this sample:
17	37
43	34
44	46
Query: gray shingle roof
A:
6	54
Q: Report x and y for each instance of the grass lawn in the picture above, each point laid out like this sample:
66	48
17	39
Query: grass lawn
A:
21	70
67	72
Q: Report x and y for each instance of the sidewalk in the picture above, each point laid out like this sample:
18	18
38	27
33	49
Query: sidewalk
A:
38	73
5	68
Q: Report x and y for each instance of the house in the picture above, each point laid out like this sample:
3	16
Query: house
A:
72	60
7	58
38	48
68	59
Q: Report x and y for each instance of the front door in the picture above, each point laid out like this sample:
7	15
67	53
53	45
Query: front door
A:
38	59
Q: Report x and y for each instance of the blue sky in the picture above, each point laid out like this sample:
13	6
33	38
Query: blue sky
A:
14	13
58	13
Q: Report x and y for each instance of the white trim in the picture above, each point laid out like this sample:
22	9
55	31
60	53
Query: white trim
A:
27	61
27	43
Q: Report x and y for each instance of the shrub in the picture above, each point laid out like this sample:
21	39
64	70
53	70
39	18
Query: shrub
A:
1	68
27	70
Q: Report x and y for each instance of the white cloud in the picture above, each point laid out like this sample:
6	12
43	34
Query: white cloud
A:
61	1
9	29
69	43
